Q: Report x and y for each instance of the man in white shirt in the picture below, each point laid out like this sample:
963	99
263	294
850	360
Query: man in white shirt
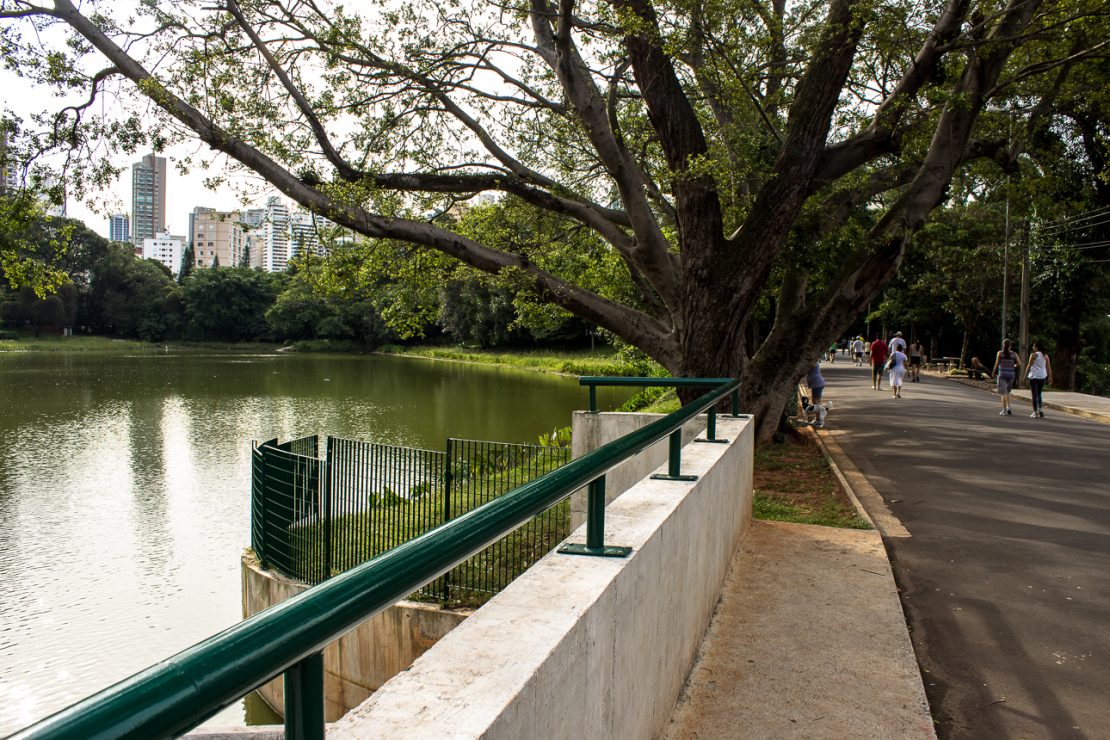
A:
857	350
898	344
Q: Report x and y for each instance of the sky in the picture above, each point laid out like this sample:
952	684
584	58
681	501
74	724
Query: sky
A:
183	192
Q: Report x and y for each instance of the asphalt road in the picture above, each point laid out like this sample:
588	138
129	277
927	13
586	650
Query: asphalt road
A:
1006	578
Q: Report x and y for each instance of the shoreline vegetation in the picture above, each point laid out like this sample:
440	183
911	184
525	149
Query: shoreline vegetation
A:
793	481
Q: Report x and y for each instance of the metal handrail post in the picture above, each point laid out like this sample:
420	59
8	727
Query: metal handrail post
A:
304	699
674	460
593	399
595	515
595	528
736	402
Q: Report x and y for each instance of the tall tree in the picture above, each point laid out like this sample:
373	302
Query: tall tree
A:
706	144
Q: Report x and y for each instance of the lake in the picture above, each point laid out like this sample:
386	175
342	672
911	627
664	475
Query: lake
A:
124	490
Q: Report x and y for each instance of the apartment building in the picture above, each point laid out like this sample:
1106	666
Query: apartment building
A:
165	248
148	198
119	227
219	238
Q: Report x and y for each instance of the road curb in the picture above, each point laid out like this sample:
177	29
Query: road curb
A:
867	500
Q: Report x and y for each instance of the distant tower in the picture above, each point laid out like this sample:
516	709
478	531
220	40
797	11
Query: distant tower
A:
148	198
275	236
9	176
119	227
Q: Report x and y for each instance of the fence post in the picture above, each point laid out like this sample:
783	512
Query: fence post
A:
674	460
735	396
595	514
448	484
327	473
304	699
595	528
593	399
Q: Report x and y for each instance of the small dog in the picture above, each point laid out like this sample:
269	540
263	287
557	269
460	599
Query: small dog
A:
814	414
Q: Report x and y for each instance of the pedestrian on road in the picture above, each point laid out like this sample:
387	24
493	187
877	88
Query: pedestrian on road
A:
857	350
897	365
879	354
1040	371
1006	367
917	358
898	343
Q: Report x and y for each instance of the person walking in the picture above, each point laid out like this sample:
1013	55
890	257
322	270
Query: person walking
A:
897	343
917	358
879	354
1006	367
857	351
1040	372
897	365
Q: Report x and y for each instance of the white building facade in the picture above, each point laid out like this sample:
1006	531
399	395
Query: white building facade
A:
165	248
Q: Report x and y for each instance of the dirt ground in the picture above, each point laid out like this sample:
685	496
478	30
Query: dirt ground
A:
793	482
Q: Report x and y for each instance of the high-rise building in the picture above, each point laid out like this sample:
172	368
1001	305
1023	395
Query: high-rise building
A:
119	227
254	217
218	237
9	177
305	231
166	249
274	231
148	198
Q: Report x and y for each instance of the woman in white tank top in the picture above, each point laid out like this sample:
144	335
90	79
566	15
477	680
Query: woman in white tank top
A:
1040	372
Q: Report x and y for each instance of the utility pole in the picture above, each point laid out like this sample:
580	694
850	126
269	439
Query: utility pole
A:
1024	327
1006	260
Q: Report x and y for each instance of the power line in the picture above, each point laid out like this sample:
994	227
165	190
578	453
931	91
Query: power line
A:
1077	226
1083	216
1081	247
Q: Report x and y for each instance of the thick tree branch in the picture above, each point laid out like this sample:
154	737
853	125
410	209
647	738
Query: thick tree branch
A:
625	322
652	253
342	166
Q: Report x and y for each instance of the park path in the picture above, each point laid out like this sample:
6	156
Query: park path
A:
1005	577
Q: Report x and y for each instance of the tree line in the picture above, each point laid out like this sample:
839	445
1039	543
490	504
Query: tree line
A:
756	172
105	289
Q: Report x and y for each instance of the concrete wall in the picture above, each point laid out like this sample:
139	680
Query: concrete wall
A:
583	646
591	430
359	662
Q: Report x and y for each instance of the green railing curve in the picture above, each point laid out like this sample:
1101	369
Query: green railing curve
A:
182	691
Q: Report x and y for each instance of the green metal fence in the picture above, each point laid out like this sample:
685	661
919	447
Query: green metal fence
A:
173	696
313	517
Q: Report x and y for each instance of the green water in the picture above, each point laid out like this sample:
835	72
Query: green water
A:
124	485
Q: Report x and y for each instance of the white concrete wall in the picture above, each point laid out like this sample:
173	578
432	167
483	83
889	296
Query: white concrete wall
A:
591	430
582	646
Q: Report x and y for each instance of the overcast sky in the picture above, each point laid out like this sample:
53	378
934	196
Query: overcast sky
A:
183	192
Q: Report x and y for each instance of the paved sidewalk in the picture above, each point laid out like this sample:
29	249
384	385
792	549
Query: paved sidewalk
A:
1003	578
1096	408
808	641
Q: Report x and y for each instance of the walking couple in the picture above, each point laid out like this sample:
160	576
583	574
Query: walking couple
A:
1006	367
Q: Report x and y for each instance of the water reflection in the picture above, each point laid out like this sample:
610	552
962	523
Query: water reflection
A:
124	486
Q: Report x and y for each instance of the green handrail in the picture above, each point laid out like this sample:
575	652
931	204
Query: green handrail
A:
179	693
594	381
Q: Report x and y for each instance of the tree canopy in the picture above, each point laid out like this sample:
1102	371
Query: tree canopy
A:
710	150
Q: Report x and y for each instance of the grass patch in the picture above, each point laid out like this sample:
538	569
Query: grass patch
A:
130	346
794	483
603	361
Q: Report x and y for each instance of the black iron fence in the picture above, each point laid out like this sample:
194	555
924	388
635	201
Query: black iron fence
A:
314	516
